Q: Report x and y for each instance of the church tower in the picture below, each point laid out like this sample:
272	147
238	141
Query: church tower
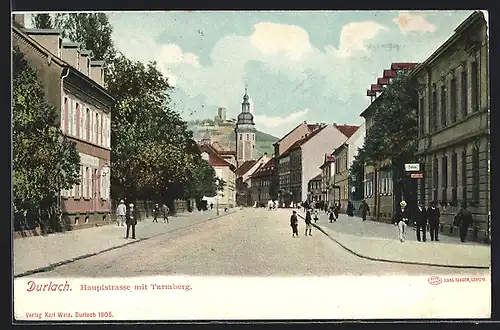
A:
245	133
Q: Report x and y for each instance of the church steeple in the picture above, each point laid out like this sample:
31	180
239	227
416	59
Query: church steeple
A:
245	132
245	106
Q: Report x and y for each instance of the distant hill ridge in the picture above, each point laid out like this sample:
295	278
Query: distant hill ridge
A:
223	133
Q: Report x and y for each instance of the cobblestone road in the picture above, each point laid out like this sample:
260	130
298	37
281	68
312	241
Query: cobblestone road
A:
253	242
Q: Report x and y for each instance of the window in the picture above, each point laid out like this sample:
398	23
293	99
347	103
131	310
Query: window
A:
96	129
101	128
78	126
435	178
64	114
421	116
475	174
73	119
241	137
453	100
454	177
433	116
248	137
465	91
444	113
474	87
444	177
87	126
464	175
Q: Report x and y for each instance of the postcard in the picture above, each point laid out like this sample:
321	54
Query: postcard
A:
251	165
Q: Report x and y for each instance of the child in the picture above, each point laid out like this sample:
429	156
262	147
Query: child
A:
294	223
316	215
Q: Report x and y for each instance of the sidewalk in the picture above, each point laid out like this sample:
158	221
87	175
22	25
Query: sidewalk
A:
379	241
38	253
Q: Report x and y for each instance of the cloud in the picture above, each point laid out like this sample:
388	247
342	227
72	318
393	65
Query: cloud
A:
274	122
271	38
353	37
413	22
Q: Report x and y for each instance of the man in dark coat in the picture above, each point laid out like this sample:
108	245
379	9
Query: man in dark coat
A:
294	223
463	220
433	216
364	209
420	220
131	220
156	213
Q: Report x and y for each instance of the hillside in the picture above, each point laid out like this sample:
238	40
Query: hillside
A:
224	134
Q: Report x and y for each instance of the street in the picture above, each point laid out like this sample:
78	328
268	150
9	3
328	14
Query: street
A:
250	242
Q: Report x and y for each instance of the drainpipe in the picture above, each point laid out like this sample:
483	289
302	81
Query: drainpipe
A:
59	201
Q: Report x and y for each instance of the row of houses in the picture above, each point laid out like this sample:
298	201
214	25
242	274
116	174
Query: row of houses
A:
73	83
453	132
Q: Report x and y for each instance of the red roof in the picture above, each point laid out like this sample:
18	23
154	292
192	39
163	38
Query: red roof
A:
245	167
215	159
316	178
265	170
347	130
328	159
300	142
403	66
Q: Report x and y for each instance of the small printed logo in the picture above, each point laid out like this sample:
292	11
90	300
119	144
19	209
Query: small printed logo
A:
435	280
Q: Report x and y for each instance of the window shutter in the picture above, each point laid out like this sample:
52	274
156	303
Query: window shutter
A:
85	182
63	106
101	182
91	126
73	119
81	181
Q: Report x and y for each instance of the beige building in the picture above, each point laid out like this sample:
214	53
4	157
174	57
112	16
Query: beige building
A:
454	125
327	170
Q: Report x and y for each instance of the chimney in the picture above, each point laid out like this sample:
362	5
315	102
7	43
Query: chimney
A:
305	122
48	38
18	19
71	53
97	71
84	65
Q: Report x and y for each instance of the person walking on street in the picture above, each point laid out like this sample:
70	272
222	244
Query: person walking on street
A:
156	213
364	209
463	220
308	221
121	212
131	220
433	216
294	223
166	211
402	219
336	210
421	221
331	216
316	215
350	209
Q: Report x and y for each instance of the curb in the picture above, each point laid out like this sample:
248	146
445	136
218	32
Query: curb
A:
88	255
395	261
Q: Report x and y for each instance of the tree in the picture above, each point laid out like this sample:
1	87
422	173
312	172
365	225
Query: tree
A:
44	161
42	21
394	133
202	181
92	30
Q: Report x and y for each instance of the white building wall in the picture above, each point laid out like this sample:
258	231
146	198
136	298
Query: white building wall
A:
355	142
313	153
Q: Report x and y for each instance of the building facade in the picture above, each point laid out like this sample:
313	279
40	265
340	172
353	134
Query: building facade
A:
314	189
261	182
327	171
244	186
223	170
73	84
454	126
245	133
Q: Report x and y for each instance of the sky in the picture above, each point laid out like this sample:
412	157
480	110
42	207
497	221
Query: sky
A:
298	65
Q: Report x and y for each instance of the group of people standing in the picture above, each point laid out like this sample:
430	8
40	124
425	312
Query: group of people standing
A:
161	212
128	216
429	219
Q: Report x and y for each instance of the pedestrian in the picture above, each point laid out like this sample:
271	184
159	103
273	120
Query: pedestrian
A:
463	220
364	209
350	209
294	223
131	220
156	213
331	216
336	210
420	220
211	206
433	216
166	212
308	220
316	215
121	212
402	218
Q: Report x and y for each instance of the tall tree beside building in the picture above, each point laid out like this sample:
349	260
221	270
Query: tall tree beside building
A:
92	30
394	132
202	181
44	161
42	21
